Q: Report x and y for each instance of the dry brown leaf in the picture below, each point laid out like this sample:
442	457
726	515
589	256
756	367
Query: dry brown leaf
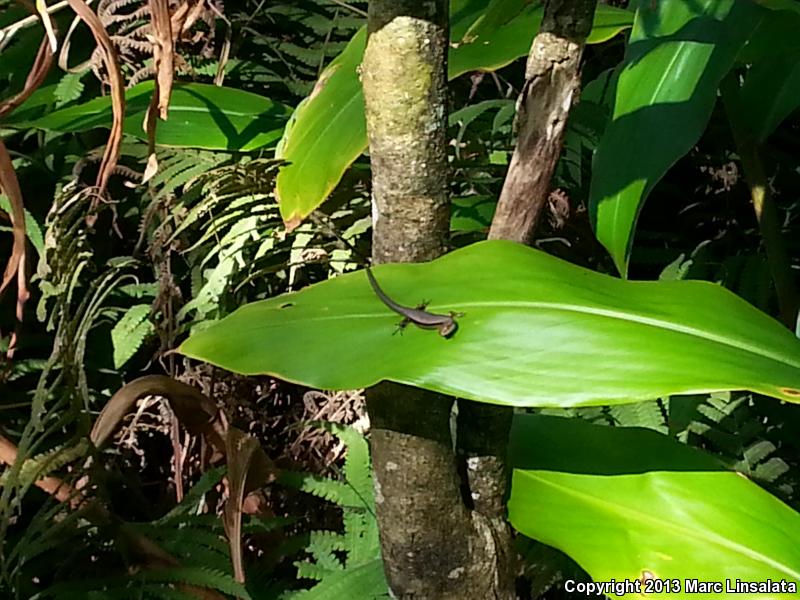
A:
16	262
163	54
186	16
164	60
196	412
9	183
249	468
41	9
224	55
151	168
109	54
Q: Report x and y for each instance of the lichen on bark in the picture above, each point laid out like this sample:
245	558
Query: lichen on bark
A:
433	546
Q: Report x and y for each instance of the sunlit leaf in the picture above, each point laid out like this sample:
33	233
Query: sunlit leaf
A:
537	331
677	55
200	116
327	131
632	504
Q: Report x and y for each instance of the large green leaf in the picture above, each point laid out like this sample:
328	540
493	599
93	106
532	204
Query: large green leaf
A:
537	331
200	116
324	136
770	91
491	48
678	53
625	503
327	131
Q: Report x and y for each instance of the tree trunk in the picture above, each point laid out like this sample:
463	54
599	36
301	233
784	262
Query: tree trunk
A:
552	80
434	547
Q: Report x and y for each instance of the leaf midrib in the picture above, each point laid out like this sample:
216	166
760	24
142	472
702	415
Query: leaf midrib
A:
574	308
681	532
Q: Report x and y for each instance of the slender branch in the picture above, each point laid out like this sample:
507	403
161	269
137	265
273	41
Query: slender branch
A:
8	32
552	82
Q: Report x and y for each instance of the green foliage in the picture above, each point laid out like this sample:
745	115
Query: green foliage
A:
668	337
32	229
44	464
129	333
157	583
195	540
69	88
651	501
201	116
232	220
204	236
346	564
327	131
730	425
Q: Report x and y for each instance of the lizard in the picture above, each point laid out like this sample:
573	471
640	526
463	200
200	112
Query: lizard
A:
446	325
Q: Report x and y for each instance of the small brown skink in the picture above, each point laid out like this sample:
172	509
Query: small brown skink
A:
446	325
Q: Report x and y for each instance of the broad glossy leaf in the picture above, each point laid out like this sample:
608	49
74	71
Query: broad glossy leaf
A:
327	131
537	331
200	116
770	91
678	53
491	48
624	503
324	136
472	213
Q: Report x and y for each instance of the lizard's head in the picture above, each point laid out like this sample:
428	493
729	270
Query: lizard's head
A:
448	329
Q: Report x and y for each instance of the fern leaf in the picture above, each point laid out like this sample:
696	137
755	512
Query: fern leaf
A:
771	470
69	88
130	332
197	576
640	414
365	582
337	492
357	473
322	546
758	451
32	228
361	536
310	570
139	290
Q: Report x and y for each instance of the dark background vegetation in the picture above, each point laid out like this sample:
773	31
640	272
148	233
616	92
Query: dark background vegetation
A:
698	221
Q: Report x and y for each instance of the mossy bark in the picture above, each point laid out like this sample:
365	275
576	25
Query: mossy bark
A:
434	547
406	108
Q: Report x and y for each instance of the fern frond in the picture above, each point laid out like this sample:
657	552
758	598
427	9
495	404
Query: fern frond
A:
322	545
640	414
44	464
365	582
129	333
198	576
338	492
310	570
69	88
361	536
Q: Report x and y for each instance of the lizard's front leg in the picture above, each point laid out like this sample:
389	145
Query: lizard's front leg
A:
401	326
